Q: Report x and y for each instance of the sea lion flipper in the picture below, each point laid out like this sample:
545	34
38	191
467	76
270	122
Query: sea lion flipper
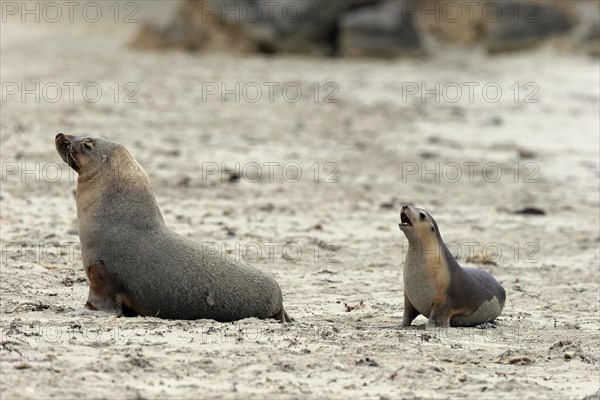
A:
410	312
282	316
440	314
103	294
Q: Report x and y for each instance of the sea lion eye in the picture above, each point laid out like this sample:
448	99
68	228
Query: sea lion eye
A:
88	144
422	215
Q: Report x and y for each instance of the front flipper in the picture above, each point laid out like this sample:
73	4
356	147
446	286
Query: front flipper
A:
410	312
103	291
440	314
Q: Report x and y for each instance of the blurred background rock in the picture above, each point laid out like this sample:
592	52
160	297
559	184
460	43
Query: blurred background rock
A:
371	28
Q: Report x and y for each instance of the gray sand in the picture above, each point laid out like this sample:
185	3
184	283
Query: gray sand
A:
545	344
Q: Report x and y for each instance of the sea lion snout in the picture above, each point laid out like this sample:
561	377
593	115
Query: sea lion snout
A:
67	147
62	138
406	218
63	145
64	142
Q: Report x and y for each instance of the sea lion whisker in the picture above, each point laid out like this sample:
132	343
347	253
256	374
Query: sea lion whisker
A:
69	154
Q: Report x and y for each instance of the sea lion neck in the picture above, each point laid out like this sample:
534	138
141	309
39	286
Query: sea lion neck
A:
425	248
119	190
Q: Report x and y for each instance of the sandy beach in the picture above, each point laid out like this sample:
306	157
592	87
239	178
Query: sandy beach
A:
299	166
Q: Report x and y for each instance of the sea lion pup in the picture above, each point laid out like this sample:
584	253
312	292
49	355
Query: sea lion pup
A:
135	264
436	286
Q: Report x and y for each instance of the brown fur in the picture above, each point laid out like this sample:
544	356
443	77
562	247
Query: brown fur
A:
136	265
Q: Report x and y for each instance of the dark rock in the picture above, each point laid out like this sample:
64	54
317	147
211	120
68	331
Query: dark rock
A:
232	176
531	211
587	33
383	30
525	153
200	26
266	26
367	361
372	28
300	27
593	396
521	25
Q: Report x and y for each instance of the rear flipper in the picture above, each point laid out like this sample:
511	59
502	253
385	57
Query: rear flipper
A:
282	316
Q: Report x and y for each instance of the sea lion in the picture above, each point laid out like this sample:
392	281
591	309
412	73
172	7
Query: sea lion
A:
436	286
135	264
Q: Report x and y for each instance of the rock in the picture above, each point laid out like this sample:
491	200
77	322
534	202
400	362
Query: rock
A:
264	26
530	211
457	22
201	26
525	153
370	28
383	30
367	361
514	358
301	27
587	34
567	350
521	25
593	396
290	26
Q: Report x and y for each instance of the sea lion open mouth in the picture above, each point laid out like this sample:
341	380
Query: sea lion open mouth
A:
405	220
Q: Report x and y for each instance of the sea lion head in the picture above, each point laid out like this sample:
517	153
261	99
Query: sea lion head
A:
417	224
110	181
90	155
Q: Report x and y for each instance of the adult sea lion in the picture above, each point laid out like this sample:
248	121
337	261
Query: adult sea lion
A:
135	264
436	286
